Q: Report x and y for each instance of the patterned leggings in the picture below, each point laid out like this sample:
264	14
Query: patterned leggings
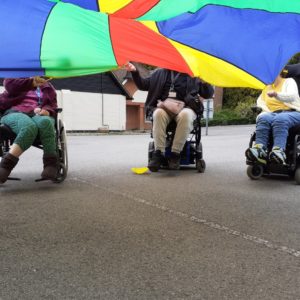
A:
27	129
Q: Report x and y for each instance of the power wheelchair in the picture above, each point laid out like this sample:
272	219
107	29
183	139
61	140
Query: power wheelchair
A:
192	153
256	170
7	137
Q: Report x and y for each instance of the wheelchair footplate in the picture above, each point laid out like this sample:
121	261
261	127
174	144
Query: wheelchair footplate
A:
14	178
255	170
56	180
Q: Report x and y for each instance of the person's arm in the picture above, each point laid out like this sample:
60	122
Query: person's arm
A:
6	102
289	93
17	86
142	83
50	103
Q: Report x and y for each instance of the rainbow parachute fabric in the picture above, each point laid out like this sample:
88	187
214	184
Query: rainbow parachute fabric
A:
230	43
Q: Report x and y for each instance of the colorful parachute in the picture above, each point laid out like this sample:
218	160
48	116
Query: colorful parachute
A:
226	42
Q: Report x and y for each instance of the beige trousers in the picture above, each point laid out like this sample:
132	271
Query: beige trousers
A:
184	120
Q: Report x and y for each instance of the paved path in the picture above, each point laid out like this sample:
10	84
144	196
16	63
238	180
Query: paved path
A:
106	233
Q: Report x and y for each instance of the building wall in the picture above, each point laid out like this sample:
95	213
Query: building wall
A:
92	111
132	116
114	112
136	108
218	98
140	96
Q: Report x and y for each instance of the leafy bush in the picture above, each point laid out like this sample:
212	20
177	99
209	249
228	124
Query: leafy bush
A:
243	109
225	114
237	104
229	117
295	59
233	96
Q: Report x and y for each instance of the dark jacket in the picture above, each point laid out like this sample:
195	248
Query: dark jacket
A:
158	86
16	89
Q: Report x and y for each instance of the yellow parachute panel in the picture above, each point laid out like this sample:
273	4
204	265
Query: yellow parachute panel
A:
111	6
217	72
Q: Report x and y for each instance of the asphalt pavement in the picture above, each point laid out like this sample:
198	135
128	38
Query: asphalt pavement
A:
107	233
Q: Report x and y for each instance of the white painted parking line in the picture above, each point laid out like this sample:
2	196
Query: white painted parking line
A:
254	239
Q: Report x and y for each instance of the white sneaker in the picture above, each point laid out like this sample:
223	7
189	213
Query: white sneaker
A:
278	155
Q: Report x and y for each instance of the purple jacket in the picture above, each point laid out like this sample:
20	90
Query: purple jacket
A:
17	88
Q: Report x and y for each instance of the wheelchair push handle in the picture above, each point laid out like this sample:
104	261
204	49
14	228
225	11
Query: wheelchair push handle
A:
58	110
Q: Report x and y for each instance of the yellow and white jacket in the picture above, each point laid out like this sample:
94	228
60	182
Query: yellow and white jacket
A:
287	97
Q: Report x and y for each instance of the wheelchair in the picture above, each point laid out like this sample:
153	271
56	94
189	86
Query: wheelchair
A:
192	153
7	137
256	170
292	167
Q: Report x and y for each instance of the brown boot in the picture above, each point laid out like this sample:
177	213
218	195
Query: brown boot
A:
7	163
50	167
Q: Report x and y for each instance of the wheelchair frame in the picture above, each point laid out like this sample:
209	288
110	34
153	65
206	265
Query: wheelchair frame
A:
7	137
192	152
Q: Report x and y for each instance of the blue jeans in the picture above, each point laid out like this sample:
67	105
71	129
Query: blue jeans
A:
279	124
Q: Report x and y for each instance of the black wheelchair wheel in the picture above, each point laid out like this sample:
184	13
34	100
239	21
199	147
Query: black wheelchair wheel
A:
62	174
255	172
150	150
297	176
62	152
200	165
199	151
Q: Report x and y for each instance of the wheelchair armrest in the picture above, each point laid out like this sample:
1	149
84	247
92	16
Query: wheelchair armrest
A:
6	133
256	109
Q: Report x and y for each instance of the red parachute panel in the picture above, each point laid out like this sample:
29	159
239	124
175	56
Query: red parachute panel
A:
135	9
134	41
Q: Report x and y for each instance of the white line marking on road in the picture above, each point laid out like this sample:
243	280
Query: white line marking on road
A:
195	219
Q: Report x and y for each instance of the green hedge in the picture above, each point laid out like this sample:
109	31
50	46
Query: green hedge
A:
230	117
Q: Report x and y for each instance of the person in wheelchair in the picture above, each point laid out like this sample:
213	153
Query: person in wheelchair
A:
280	105
161	85
28	106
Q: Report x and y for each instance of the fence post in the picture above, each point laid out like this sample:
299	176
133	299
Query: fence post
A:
208	112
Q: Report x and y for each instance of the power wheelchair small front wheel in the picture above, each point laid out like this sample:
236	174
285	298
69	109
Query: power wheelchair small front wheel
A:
200	165
255	171
297	176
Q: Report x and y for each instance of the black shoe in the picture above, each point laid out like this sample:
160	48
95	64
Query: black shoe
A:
50	167
174	161
7	163
155	161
